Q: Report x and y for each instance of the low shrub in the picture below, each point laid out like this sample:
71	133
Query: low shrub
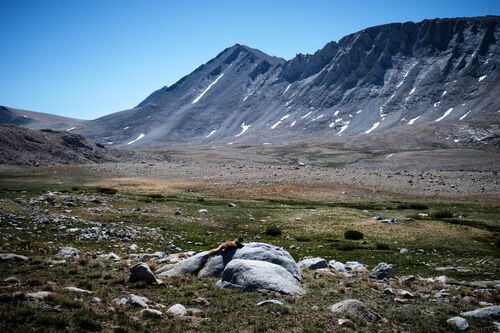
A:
272	230
443	214
382	246
353	234
107	190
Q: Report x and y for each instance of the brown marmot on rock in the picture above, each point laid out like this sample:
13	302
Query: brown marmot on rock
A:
236	244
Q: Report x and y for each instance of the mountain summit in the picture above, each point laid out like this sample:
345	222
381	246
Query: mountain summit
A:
395	75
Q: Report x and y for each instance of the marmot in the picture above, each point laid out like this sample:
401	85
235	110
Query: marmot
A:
236	244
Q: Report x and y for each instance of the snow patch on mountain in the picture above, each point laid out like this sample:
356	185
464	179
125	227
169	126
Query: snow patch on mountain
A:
138	138
444	115
243	129
207	89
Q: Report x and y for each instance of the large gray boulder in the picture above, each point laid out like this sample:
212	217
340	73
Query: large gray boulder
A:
254	275
142	272
354	308
212	265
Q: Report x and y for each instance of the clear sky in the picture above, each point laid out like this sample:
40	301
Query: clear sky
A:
85	59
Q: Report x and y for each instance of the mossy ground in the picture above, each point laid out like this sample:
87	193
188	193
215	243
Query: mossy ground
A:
468	239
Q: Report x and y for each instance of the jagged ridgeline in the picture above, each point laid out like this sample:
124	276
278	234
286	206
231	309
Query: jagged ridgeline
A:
395	75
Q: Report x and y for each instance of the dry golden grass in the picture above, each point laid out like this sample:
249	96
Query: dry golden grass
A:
145	185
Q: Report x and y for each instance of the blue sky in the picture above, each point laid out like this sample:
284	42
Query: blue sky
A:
85	59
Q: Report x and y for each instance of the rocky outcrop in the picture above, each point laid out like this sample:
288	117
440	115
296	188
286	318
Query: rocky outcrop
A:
212	265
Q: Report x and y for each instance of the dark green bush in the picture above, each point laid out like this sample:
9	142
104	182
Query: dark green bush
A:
353	234
382	246
272	230
443	214
107	190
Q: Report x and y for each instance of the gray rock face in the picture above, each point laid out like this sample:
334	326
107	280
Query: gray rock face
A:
382	271
354	308
490	311
252	275
68	252
141	272
205	265
313	263
459	323
12	257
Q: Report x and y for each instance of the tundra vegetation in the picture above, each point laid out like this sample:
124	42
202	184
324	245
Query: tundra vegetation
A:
45	209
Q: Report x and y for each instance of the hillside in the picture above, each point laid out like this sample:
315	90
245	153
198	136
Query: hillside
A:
21	146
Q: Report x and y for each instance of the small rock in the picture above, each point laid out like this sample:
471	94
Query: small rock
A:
382	271
11	280
78	290
389	291
133	247
142	272
354	308
403	251
176	310
354	266
111	255
39	295
203	211
343	322
120	301
459	323
313	263
12	256
298	219
407	278
96	300
137	300
400	300
68	252
156	312
405	294
269	301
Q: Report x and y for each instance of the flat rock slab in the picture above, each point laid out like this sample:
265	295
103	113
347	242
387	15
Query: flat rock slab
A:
212	265
13	257
490	311
254	275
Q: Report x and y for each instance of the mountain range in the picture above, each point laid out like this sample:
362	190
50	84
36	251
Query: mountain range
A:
399	76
